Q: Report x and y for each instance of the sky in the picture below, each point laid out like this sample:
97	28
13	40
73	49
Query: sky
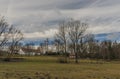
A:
40	18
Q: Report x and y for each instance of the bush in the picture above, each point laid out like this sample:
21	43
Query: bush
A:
6	59
13	59
62	60
52	53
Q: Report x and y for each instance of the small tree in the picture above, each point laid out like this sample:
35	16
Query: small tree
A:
62	36
57	44
46	44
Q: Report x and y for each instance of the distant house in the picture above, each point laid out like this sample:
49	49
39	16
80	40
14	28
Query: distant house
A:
49	48
52	48
30	52
33	50
21	52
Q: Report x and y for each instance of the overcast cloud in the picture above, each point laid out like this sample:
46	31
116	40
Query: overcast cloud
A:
39	18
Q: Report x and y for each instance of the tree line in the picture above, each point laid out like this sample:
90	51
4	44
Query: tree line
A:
72	38
75	39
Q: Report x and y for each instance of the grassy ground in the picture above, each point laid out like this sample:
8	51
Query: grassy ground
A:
44	67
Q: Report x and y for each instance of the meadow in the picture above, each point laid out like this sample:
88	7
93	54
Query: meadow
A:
47	67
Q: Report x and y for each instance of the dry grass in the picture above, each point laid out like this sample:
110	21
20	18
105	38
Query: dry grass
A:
44	67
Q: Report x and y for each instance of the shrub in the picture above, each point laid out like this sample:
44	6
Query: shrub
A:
52	53
13	59
62	60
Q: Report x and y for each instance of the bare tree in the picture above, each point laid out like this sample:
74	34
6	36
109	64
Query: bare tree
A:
57	44
16	36
4	32
46	45
89	38
9	36
76	31
62	36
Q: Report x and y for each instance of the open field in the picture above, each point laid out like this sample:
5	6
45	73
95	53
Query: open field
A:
44	67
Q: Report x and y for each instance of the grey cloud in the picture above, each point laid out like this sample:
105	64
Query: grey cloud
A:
41	15
101	3
53	4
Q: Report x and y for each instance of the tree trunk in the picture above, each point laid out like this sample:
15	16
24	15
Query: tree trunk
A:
76	54
65	52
